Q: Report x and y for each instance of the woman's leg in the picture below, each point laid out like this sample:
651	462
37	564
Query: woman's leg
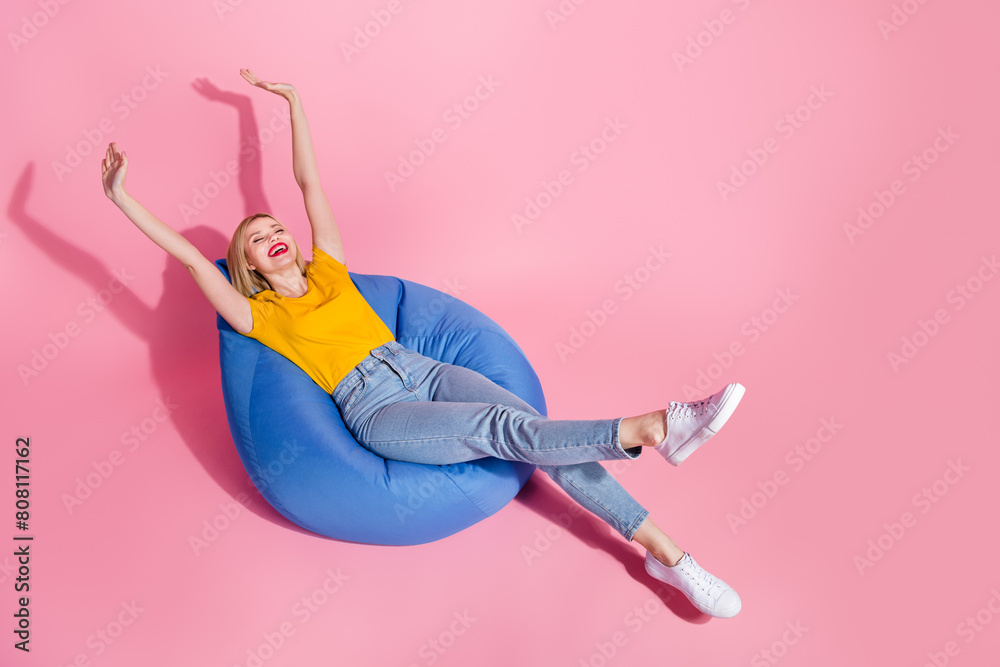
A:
414	408
658	543
594	489
397	400
429	394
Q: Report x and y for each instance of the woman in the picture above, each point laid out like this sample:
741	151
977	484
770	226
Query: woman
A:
405	406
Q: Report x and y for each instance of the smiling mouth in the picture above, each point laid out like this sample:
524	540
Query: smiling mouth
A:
278	249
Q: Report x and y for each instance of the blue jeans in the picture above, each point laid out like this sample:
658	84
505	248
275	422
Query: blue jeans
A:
402	405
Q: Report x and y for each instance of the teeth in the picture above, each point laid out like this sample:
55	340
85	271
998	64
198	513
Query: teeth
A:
278	247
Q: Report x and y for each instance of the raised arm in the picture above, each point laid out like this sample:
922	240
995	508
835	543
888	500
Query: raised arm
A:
230	304
326	234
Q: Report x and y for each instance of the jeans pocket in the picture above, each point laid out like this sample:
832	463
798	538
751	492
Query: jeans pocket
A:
400	372
354	395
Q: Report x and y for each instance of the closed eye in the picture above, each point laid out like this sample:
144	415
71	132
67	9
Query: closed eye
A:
261	238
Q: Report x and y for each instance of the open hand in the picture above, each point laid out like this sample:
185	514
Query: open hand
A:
286	90
113	168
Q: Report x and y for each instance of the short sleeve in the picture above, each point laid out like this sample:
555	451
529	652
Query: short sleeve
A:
260	310
326	260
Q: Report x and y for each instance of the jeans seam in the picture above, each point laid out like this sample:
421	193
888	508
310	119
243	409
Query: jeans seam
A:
478	438
618	521
635	524
399	376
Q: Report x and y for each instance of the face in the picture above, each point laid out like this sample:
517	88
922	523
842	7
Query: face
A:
268	246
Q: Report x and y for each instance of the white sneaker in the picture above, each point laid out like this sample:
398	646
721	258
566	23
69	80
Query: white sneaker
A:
690	425
707	592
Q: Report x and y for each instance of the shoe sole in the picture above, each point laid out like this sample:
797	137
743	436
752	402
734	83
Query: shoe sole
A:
730	399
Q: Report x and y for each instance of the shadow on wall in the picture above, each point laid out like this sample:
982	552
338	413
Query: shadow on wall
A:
183	342
180	330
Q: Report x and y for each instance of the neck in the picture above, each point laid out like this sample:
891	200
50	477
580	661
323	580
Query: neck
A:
288	282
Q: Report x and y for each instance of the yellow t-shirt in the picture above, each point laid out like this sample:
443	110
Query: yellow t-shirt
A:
328	330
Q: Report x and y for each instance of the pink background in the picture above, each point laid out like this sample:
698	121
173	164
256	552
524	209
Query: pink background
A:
796	556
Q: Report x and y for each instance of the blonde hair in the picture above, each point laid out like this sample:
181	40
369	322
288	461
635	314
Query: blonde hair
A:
249	281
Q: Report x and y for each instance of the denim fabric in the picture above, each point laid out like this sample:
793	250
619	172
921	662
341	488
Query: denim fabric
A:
402	405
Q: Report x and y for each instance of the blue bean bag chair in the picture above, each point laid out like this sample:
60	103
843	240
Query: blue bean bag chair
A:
295	447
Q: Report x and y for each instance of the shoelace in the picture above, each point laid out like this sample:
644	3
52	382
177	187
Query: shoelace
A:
703	579
678	410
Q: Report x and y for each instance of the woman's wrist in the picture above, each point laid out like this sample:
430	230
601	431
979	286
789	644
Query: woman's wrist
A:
118	196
